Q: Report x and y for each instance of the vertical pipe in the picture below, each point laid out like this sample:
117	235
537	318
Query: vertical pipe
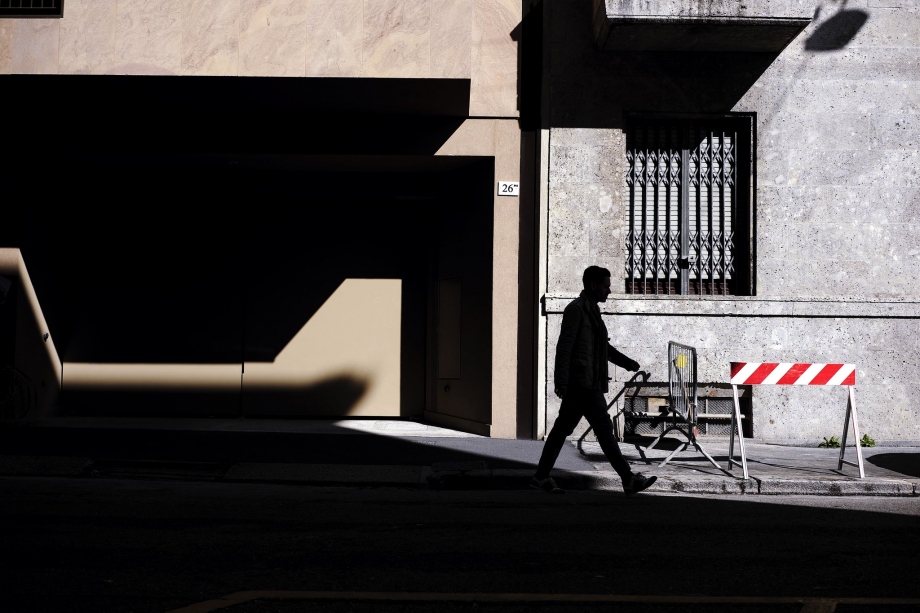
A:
697	205
722	212
631	230
734	204
645	233
710	210
684	214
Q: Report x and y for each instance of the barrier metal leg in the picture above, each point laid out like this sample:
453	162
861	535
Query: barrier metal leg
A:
691	439
708	457
675	452
851	414
661	436
736	424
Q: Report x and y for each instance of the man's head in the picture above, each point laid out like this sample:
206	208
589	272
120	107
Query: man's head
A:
596	281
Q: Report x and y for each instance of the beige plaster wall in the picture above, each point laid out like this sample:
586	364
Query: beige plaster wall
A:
355	334
464	39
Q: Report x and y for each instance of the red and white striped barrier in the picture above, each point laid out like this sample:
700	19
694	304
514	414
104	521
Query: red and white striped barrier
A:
785	373
795	373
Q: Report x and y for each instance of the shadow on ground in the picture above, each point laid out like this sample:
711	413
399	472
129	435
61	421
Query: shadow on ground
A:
904	463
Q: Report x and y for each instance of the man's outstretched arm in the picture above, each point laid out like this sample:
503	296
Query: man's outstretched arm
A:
621	360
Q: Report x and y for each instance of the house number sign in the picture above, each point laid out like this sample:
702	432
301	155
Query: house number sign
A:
509	188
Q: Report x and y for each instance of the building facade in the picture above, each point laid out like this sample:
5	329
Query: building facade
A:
270	208
299	208
783	136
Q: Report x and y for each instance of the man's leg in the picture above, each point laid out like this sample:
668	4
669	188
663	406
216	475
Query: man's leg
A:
595	412
569	414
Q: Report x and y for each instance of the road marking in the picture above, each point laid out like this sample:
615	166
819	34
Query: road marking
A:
809	605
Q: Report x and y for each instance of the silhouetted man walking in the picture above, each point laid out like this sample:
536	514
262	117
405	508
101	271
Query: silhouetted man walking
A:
581	381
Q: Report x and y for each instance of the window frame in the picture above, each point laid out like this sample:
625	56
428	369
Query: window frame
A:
744	226
10	12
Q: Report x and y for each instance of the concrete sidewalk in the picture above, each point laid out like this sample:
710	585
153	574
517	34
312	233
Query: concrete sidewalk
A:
396	453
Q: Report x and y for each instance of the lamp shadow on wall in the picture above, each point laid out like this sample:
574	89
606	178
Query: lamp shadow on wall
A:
838	31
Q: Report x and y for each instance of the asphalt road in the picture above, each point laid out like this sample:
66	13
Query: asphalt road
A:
85	545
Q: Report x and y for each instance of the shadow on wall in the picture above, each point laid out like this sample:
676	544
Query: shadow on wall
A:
337	395
592	89
836	32
227	260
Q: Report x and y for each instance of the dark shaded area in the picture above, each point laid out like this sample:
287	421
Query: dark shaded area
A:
530	38
81	545
528	265
165	114
462	250
268	605
836	32
166	236
137	260
334	396
8	295
651	82
112	446
730	35
223	259
205	220
593	89
904	463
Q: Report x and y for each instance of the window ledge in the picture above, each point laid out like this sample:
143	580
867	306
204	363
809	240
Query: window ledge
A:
718	25
742	306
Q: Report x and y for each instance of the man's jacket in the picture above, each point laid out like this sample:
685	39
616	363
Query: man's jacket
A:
583	349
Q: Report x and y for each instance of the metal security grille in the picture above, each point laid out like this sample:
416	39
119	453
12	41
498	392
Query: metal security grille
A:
31	8
713	418
683	207
682	396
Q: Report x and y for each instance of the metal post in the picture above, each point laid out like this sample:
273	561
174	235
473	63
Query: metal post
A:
736	422
851	414
843	437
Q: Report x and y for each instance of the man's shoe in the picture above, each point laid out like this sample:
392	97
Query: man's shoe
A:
547	485
637	483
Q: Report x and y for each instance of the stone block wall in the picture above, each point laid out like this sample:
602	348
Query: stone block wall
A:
837	200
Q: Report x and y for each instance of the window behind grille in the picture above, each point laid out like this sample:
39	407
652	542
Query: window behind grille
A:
688	225
31	8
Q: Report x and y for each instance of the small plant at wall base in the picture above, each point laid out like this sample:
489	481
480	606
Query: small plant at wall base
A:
867	441
830	443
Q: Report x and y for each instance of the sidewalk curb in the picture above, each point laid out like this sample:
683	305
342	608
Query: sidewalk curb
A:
43	466
610	481
462	477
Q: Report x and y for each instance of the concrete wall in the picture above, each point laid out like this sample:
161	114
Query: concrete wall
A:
836	207
464	39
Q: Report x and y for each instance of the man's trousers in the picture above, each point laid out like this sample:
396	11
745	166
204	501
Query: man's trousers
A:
591	405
